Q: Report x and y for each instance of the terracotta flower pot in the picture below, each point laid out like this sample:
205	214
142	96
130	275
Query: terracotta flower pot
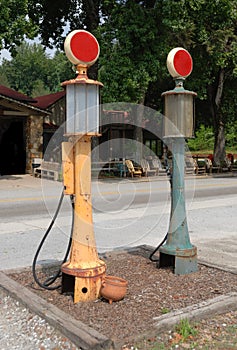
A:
113	288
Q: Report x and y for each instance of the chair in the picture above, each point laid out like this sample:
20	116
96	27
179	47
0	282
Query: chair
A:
190	165
133	171
201	166
156	163
208	165
146	167
121	169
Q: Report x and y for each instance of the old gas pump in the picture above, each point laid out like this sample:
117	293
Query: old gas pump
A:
178	251
82	274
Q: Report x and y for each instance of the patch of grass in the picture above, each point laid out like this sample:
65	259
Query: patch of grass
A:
165	310
150	344
232	329
185	329
158	347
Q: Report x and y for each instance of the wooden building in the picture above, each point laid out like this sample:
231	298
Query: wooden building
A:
27	125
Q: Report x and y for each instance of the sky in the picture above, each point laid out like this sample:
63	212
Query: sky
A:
4	54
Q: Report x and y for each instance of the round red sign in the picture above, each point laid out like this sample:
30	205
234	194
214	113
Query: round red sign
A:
81	47
179	62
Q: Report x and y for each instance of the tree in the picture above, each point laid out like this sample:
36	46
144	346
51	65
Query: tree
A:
208	31
59	70
135	38
211	39
27	66
218	49
15	24
129	59
3	79
33	72
55	19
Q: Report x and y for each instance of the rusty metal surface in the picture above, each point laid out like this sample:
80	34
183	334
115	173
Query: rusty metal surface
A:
185	253
185	265
84	284
87	289
68	167
82	77
84	264
84	273
182	265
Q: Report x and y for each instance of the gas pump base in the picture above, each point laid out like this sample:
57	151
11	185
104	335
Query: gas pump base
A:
84	284
184	261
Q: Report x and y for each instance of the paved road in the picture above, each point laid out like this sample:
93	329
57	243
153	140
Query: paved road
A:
126	213
28	196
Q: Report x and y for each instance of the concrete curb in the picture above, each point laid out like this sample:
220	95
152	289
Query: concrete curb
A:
217	266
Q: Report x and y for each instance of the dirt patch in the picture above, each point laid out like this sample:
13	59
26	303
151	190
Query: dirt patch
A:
151	293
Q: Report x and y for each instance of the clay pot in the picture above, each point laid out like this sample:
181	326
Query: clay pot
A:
113	288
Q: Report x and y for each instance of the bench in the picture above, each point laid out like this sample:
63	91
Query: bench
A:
48	170
111	167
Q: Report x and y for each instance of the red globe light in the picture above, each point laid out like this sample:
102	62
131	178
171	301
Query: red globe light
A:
81	47
179	62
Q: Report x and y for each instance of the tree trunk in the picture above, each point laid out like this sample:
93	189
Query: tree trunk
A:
219	147
215	92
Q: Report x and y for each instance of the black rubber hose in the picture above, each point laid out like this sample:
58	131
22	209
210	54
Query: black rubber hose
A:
154	251
50	280
169	174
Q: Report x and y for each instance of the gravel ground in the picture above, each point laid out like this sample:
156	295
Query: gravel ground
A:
20	329
218	333
151	292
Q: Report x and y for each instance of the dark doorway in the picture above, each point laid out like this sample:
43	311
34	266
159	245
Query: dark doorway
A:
12	147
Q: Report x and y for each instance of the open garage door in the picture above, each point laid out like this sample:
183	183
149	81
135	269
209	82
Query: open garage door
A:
12	146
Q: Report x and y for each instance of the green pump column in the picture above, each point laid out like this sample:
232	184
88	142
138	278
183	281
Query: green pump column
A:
178	250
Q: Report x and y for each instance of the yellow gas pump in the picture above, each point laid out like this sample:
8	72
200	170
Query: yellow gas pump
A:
82	274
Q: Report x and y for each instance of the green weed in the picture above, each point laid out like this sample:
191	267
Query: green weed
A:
185	329
165	310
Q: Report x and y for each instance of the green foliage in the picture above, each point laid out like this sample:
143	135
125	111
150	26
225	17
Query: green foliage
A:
59	70
39	89
33	72
231	135
15	24
129	59
165	310
229	100
135	38
3	79
185	329
204	139
54	18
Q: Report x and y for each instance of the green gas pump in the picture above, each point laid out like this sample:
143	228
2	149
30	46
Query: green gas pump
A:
178	251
